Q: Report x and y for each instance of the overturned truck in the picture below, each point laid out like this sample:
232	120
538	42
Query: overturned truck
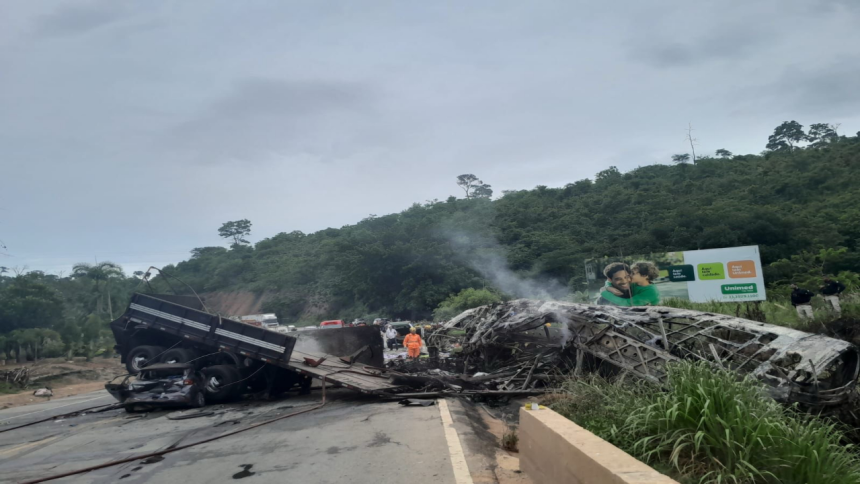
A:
797	367
235	358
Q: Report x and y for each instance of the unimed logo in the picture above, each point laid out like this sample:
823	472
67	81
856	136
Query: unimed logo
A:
750	288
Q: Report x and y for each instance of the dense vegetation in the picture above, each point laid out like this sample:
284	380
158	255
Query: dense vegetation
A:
711	427
44	315
795	202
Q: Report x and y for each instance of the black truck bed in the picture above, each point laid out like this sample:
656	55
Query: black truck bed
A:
221	334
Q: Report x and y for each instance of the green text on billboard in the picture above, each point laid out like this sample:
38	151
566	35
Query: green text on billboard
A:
749	288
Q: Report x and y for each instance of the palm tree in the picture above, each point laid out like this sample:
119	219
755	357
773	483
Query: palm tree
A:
102	271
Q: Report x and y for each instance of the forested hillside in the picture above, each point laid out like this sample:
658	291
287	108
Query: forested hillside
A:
790	200
797	201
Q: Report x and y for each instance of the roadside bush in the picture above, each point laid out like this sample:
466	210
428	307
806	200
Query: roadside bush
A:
777	311
53	349
601	405
713	425
710	426
510	440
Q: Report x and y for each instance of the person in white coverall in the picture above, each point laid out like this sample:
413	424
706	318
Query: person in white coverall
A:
391	336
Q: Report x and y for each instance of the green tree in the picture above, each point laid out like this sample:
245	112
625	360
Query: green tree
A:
821	134
611	174
786	136
680	158
466	299
466	181
723	153
236	230
474	187
93	333
482	191
72	337
27	303
100	273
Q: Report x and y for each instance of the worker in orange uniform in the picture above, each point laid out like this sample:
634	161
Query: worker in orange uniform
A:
413	343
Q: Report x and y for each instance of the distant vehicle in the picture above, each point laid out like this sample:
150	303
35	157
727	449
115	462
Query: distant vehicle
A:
162	385
402	327
381	321
358	322
268	320
335	323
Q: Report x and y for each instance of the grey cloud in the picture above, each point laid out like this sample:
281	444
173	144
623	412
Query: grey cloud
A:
829	90
729	43
380	103
78	18
261	117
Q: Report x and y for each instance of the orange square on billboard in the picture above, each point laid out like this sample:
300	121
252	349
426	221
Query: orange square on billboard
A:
740	269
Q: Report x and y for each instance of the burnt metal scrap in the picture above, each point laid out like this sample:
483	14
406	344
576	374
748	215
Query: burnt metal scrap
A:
507	339
485	359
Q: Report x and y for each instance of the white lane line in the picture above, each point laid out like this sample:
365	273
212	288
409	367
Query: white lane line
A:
53	408
458	459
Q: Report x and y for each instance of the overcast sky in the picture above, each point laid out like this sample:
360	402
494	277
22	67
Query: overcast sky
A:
129	131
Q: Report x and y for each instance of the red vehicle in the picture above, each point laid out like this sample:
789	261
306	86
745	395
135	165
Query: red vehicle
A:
335	323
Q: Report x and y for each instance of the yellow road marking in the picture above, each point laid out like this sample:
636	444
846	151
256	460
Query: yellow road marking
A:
22	447
54	408
458	459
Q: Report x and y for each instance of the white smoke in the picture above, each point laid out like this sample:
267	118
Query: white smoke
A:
486	256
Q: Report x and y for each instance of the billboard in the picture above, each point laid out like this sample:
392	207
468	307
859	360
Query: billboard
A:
732	274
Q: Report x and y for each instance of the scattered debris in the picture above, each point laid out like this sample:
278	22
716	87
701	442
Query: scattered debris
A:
186	416
505	341
225	422
416	402
245	472
16	376
314	363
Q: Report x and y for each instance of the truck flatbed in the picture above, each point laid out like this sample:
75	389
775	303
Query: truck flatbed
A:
333	370
167	323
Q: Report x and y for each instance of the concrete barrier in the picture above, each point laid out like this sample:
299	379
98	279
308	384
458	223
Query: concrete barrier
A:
554	450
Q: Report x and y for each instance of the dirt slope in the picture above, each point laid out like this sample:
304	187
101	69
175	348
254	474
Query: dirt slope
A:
236	303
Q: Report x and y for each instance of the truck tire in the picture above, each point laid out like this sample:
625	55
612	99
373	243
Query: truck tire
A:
199	400
220	382
178	355
141	356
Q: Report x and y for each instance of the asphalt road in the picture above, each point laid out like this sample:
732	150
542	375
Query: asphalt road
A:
352	439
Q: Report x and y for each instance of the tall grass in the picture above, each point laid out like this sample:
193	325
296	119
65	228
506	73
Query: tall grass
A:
714	428
777	310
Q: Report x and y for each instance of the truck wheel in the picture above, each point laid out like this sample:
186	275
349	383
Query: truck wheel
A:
220	382
141	356
178	355
199	400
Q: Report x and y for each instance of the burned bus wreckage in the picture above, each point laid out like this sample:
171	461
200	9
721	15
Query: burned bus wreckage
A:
522	347
510	347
